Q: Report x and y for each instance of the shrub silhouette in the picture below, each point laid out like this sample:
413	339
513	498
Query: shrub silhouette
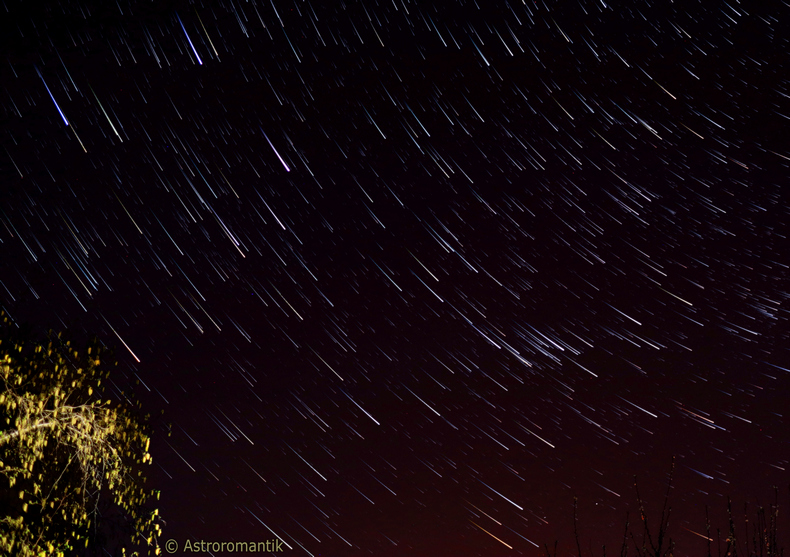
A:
761	541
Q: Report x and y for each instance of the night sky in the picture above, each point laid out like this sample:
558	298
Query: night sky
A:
406	277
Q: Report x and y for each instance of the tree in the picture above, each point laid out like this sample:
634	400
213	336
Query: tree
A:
71	460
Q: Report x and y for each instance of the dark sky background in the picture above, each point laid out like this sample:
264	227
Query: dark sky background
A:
406	277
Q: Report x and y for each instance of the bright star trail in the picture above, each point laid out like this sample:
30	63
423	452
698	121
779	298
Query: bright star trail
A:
407	277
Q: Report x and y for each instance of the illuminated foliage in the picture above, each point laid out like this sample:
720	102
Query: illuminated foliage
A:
68	454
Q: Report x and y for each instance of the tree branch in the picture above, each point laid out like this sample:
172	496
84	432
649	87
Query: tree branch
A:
11	435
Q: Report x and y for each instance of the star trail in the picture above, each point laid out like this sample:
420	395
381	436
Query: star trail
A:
407	277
